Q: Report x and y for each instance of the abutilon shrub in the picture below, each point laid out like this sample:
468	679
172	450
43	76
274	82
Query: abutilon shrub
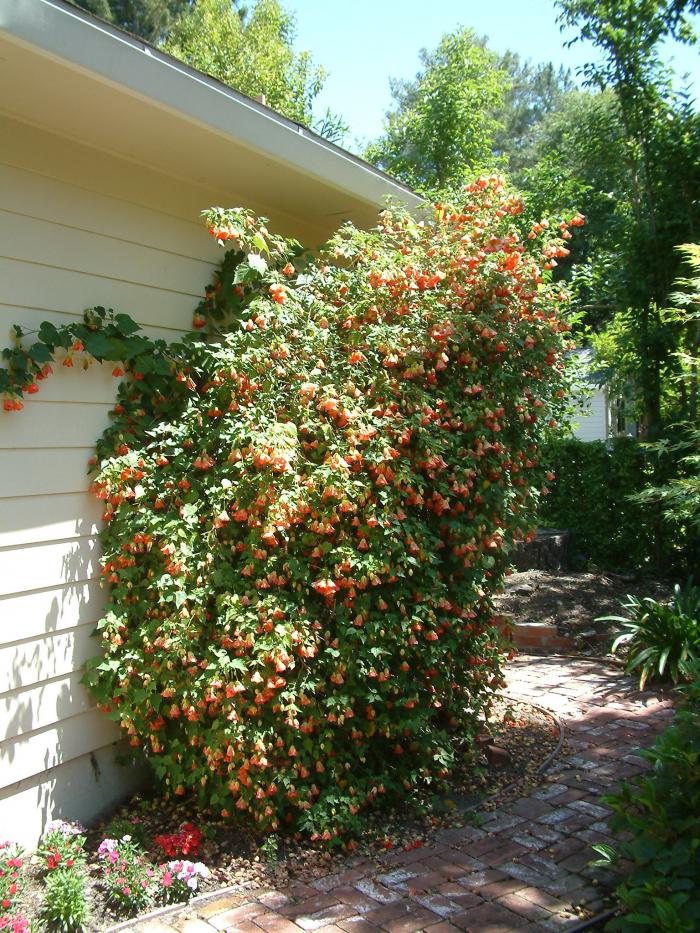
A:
310	503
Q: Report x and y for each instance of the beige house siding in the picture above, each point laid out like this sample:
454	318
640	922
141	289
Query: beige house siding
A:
78	227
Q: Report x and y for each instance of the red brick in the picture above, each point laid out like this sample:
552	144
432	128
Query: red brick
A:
459	896
229	918
425	882
382	915
542	899
415	918
354	898
505	853
309	905
498	888
217	905
478	879
489	918
245	926
524	907
328	916
358	925
275	923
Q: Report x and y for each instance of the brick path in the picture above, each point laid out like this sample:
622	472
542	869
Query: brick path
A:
524	867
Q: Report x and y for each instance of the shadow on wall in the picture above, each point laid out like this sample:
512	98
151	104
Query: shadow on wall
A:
86	788
58	753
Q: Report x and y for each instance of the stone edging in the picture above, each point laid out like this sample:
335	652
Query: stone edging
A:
183	905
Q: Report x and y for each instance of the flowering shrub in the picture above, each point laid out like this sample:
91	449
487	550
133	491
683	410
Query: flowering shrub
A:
306	523
62	845
180	879
11	862
187	841
310	501
129	879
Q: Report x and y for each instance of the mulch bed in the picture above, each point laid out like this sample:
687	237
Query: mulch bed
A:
524	736
573	602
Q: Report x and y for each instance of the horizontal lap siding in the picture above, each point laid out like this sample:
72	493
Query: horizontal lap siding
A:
77	229
591	422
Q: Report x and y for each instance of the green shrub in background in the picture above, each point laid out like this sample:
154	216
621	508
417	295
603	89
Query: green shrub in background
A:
590	497
660	812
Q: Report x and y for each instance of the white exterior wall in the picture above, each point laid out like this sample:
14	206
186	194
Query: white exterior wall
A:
78	228
592	422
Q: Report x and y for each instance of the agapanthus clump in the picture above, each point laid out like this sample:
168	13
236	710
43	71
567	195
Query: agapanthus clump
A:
307	523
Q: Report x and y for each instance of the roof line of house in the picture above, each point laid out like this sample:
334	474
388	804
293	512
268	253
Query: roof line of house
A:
72	34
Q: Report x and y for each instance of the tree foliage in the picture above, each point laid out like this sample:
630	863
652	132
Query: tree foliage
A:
149	19
250	47
443	123
660	154
253	54
533	93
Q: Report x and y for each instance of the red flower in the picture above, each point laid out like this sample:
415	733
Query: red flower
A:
325	587
279	293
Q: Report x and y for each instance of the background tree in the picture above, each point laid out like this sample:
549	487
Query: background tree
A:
250	47
534	92
443	123
661	155
149	19
253	54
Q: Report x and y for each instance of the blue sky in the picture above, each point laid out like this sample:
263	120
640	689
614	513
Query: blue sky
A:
362	43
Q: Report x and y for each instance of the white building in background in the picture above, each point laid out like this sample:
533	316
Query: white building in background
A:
600	415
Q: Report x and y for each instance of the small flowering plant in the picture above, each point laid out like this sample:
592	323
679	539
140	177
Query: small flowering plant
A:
63	845
187	841
10	876
132	826
129	878
15	923
180	880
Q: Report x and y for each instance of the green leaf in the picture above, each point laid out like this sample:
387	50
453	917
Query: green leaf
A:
48	333
98	346
126	324
40	353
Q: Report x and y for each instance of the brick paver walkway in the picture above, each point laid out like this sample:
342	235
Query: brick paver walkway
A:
524	867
